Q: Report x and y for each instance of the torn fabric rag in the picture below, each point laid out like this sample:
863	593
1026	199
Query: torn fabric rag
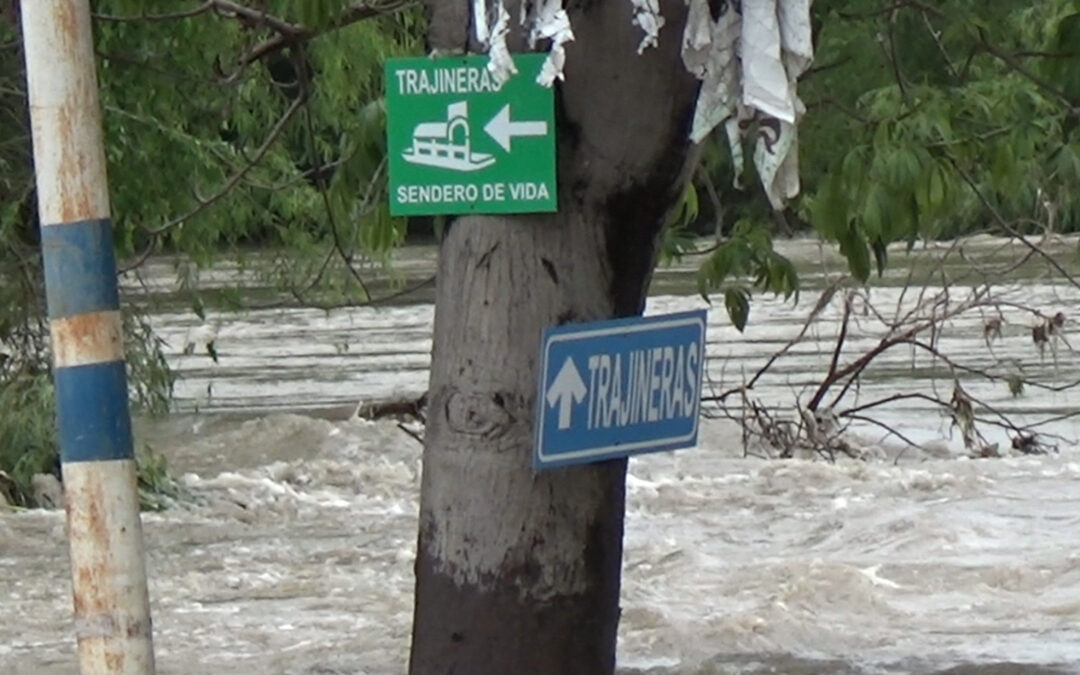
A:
749	59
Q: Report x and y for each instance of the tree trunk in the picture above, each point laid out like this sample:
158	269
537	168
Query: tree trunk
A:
517	571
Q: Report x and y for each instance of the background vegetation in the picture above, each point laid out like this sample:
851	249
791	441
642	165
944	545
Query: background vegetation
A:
213	150
924	121
255	131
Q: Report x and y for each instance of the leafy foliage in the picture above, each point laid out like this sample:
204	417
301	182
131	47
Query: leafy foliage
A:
678	240
27	444
927	121
960	122
225	130
284	152
158	489
747	252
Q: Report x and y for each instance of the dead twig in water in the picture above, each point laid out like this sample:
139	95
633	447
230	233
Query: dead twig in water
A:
929	323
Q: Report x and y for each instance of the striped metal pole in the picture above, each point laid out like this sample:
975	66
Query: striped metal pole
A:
112	609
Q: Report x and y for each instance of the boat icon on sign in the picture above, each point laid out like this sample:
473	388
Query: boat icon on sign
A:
446	145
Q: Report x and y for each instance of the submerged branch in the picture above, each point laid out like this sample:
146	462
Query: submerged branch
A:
923	317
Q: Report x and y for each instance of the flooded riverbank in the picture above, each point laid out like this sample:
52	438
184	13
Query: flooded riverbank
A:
295	552
302	563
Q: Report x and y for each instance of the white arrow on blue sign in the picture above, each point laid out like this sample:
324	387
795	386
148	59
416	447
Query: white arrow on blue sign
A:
616	388
567	389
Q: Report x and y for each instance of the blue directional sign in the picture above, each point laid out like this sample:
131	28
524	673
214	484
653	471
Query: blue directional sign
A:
616	388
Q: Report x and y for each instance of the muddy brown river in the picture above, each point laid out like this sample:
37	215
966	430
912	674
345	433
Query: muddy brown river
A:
294	552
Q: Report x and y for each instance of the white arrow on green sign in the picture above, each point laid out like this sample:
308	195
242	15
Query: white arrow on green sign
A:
501	129
459	143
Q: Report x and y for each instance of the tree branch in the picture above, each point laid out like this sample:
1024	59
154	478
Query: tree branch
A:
286	33
820	393
890	8
305	301
297	34
1007	226
229	184
206	202
205	7
853	369
823	301
1013	62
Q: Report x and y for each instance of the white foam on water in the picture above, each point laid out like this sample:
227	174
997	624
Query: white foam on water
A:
297	565
296	555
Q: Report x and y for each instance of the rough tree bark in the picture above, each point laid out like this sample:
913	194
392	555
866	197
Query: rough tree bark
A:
519	572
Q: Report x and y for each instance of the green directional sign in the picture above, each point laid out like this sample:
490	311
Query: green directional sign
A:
459	143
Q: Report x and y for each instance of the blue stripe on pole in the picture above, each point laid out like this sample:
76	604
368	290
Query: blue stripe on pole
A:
80	268
92	410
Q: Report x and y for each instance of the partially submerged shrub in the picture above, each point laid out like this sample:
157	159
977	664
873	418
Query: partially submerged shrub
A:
27	434
28	442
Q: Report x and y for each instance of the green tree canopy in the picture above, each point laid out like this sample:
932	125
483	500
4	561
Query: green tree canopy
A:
228	127
924	120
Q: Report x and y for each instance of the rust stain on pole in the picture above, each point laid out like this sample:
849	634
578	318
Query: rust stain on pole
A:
73	197
65	110
68	26
111	630
87	338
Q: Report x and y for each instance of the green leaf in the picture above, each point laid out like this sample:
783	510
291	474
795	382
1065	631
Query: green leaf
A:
881	254
1065	42
1003	167
875	211
830	212
737	302
935	201
718	266
853	247
677	237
